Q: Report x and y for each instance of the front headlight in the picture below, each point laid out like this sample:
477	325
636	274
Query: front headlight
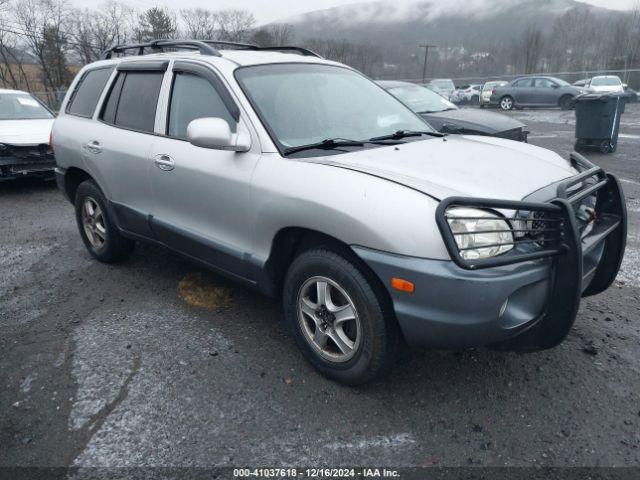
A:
479	234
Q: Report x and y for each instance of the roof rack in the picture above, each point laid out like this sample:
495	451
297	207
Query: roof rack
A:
203	46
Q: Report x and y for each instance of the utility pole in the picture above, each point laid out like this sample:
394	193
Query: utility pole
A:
426	56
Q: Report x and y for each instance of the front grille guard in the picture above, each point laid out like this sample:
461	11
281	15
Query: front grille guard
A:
541	230
565	247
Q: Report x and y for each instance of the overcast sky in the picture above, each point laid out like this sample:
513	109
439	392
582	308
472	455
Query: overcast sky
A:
271	10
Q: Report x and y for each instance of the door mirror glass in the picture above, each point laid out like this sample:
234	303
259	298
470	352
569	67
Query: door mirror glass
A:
215	133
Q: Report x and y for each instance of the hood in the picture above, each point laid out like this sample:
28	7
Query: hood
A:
478	120
25	132
472	166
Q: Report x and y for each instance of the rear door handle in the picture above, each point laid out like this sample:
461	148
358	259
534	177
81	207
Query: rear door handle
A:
93	147
164	162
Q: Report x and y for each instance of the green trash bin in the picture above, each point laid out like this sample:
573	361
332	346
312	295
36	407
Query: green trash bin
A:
598	120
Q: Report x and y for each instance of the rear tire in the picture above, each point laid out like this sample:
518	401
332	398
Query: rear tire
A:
370	337
506	103
98	230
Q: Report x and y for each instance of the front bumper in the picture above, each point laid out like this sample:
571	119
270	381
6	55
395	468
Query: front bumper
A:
524	300
30	163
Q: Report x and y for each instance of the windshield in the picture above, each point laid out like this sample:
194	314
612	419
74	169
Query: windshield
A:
302	104
421	100
21	106
560	82
606	82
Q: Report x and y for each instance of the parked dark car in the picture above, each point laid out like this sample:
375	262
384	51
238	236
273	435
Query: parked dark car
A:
536	92
445	117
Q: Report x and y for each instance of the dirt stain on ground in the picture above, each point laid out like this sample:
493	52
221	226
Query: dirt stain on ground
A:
201	290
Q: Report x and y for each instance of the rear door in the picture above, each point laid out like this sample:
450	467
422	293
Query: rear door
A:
120	143
201	195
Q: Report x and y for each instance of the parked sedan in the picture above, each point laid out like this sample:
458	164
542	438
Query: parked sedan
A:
487	91
445	117
606	84
442	86
25	126
536	92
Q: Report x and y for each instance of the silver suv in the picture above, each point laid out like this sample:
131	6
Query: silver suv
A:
302	178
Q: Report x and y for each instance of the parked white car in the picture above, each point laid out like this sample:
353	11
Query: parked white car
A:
606	84
442	86
25	126
487	90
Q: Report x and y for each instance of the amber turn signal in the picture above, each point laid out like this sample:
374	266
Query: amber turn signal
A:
402	285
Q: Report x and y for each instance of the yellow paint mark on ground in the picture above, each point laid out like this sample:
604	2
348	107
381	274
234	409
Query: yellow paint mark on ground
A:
200	290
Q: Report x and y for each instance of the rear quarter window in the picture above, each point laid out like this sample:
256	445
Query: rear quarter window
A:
85	97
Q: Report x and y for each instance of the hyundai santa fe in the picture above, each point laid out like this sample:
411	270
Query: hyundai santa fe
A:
303	179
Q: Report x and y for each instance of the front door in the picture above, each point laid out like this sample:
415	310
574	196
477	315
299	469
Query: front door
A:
201	195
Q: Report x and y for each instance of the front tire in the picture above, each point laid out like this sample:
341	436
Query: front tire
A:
98	230
506	103
566	102
340	316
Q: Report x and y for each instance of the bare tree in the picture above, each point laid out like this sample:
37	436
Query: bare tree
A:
281	33
235	25
531	44
43	25
93	31
200	23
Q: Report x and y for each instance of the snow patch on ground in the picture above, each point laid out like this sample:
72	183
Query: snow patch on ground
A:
393	441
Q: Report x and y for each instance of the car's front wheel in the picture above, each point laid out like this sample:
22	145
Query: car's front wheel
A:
506	103
341	318
98	230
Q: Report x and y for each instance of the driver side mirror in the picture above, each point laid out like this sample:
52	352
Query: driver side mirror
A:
215	133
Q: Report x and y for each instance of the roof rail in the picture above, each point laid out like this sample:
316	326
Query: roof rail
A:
161	44
203	46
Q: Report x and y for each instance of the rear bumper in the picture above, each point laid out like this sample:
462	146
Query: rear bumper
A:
522	301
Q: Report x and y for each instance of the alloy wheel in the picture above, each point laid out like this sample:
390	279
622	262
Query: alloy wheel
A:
93	223
506	103
328	319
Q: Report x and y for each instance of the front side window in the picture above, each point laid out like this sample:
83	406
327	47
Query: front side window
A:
21	106
421	100
87	93
194	97
133	100
302	104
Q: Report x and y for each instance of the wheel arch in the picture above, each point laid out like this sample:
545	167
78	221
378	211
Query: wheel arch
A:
73	177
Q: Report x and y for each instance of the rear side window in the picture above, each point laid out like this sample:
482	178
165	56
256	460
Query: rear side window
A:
133	100
524	83
85	97
194	97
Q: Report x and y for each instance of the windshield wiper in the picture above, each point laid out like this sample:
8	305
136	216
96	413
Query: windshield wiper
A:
400	134
328	144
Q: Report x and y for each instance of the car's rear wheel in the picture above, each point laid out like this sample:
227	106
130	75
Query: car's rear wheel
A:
566	102
97	229
506	103
341	318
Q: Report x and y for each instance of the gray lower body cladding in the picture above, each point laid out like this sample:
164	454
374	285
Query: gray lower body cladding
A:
456	308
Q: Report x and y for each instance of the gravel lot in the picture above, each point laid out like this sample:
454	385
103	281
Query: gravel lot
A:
156	362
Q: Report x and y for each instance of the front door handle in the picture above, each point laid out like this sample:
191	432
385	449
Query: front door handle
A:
93	147
164	162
